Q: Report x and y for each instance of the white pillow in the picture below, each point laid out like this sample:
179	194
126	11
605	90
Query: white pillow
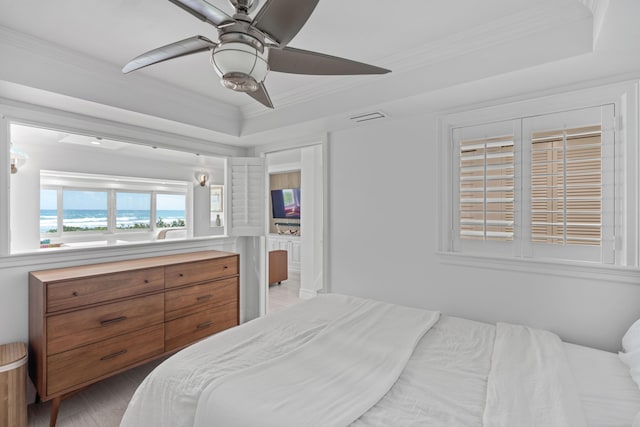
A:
631	340
632	360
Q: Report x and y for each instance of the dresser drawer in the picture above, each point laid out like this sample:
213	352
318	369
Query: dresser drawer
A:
188	329
89	290
184	301
81	365
200	271
71	330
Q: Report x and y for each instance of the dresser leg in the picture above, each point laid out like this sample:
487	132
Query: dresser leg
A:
55	407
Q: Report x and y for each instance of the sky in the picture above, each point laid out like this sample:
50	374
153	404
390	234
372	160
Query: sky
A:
97	200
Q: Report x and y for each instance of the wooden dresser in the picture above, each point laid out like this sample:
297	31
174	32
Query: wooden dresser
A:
90	322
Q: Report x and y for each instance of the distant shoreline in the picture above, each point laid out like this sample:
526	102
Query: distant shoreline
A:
97	218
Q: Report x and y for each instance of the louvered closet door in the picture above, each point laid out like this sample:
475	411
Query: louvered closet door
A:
484	187
247	183
570	196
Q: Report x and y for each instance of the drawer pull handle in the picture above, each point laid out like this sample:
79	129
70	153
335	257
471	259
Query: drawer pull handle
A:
181	275
146	280
226	266
112	321
111	356
74	293
205	324
204	297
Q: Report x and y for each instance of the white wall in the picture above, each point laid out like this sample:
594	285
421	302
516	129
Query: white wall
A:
383	234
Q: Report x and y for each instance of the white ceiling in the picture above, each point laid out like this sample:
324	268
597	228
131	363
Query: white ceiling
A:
71	52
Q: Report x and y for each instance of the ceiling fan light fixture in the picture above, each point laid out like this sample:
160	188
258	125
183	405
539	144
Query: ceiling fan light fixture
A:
241	66
240	57
240	82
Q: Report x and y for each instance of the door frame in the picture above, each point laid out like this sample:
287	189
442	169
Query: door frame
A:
263	151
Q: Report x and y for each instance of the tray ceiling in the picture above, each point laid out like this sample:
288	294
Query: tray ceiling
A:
429	45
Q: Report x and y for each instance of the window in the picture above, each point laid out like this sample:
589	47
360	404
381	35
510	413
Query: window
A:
133	210
170	212
84	210
48	211
75	204
540	186
79	190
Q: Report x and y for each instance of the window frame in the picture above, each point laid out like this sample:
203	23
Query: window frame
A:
26	114
152	197
73	182
624	97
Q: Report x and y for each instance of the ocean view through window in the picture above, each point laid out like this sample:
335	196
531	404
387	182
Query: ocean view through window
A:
94	218
71	206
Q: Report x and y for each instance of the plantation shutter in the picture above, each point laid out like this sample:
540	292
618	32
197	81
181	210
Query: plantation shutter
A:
246	178
487	189
569	157
566	193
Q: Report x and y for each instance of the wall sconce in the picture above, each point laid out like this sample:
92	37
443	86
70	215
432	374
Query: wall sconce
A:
202	178
17	159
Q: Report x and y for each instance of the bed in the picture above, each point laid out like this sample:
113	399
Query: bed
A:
337	360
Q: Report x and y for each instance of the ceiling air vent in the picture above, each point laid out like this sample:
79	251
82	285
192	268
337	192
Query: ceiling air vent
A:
367	117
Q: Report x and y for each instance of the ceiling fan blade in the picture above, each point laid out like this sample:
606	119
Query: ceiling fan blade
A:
261	96
205	12
282	19
181	48
298	61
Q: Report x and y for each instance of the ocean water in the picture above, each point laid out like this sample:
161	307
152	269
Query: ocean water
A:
98	218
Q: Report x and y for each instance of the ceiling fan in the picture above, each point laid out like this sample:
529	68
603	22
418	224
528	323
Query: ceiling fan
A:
249	48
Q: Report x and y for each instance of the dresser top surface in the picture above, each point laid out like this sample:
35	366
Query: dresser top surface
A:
66	273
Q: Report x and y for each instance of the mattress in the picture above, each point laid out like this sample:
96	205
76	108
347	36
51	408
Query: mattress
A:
450	379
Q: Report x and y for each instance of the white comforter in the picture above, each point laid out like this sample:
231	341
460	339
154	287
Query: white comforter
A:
530	383
221	381
329	381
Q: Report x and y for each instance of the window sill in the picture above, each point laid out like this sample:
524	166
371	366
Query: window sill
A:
105	253
584	270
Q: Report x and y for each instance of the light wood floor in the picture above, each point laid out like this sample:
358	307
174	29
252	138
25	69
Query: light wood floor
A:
286	294
101	405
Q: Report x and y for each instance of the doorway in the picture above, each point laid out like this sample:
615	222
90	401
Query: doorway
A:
295	212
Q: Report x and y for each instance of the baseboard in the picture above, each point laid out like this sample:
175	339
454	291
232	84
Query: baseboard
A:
307	294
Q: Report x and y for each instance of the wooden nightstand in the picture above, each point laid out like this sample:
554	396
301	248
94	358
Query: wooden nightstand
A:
278	268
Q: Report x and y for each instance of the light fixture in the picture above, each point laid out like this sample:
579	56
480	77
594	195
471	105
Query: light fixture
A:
17	159
240	60
202	178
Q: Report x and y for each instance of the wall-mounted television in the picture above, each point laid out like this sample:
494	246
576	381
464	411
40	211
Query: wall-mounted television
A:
285	203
